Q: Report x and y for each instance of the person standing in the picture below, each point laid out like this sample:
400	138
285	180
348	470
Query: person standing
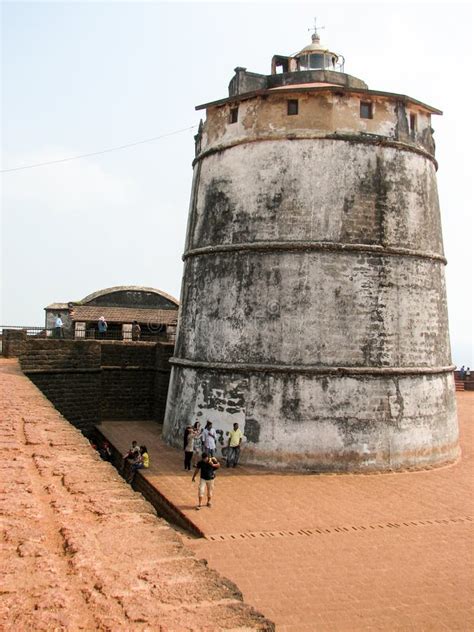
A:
462	372
58	327
207	467
197	440
136	331
188	447
102	327
209	439
233	446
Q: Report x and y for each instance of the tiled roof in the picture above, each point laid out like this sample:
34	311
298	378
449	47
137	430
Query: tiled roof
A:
89	313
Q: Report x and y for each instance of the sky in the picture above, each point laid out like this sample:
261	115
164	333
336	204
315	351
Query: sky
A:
82	77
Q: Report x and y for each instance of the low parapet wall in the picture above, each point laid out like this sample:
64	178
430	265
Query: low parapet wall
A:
468	381
13	342
90	380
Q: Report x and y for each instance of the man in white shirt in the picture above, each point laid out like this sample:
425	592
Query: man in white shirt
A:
209	439
58	327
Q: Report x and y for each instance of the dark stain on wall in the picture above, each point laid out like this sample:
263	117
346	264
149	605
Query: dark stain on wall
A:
401	126
218	212
231	400
252	430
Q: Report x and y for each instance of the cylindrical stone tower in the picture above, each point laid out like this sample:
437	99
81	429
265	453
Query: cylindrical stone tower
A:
313	307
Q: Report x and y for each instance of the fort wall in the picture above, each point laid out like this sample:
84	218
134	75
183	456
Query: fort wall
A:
90	380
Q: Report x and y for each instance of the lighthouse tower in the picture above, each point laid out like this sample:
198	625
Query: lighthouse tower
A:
313	307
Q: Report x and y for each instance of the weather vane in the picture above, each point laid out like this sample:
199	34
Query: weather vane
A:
315	30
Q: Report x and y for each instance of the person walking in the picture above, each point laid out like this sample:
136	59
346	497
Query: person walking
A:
207	467
233	446
188	447
209	439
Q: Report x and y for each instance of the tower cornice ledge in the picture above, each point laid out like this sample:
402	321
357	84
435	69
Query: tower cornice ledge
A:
275	246
314	369
289	89
360	137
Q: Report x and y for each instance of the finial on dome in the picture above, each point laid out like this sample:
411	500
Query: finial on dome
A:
315	35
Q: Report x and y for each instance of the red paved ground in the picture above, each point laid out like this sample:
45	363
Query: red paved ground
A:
335	552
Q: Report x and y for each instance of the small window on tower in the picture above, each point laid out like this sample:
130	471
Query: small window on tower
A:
292	105
412	123
234	115
366	110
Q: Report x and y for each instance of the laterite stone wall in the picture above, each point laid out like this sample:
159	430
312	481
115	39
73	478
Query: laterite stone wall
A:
90	380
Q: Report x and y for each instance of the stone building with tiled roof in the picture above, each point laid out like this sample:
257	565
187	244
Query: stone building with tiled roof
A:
155	311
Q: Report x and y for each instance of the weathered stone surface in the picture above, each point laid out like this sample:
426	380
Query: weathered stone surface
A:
313	305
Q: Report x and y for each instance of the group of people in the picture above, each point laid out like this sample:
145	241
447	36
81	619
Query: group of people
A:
197	441
102	327
138	458
202	442
104	450
464	373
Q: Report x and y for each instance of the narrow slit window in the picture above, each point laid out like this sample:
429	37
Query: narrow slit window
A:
292	106
366	110
234	115
412	122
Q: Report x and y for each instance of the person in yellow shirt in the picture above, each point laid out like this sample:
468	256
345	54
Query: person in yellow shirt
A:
142	462
145	457
233	446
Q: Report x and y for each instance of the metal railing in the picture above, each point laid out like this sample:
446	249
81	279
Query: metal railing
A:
145	335
67	333
30	330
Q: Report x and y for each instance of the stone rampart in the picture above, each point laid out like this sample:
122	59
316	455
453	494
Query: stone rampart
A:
90	380
81	550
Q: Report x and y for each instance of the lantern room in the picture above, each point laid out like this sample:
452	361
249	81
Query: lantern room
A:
315	56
